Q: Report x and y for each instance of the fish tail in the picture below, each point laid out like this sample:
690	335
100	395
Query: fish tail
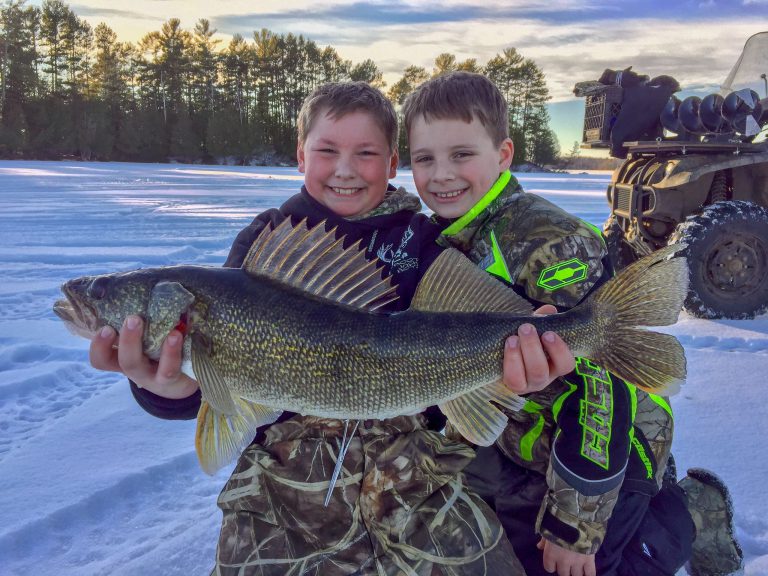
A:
649	292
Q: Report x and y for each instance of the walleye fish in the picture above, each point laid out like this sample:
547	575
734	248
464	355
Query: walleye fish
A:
297	328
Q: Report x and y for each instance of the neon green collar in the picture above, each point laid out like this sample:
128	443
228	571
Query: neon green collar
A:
458	225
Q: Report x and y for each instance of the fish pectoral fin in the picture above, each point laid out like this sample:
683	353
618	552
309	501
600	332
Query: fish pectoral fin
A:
220	438
476	418
212	385
454	284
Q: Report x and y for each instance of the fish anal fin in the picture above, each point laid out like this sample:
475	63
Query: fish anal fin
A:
220	438
476	418
454	284
314	260
499	393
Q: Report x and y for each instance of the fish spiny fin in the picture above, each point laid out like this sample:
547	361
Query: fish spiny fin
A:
220	438
314	260
476	418
454	284
648	292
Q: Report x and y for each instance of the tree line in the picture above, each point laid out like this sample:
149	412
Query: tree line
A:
70	90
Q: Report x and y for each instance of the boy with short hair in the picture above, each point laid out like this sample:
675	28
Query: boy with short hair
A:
582	460
399	505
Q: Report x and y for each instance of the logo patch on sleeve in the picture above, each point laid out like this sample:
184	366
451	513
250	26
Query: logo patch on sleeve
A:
562	274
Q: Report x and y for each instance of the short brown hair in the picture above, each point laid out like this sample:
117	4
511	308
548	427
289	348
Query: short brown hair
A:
337	99
461	96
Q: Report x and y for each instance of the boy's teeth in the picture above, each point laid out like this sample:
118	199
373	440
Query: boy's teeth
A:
451	194
345	191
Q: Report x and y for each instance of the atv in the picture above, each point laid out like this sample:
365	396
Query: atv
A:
695	172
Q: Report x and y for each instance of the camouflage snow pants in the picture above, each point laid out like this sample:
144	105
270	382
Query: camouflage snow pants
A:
399	507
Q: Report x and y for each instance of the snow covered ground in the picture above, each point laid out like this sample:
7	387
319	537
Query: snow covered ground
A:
90	484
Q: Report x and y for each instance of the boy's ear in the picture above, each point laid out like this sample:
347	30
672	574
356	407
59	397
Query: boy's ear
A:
506	154
394	160
300	156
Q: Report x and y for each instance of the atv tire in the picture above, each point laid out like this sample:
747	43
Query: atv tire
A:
620	252
728	260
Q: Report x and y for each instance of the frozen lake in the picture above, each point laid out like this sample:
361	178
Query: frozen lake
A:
90	484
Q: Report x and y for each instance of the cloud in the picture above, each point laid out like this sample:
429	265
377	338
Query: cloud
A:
570	40
372	14
92	11
382	14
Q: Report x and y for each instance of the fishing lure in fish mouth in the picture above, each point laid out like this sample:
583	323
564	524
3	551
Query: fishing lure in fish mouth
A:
300	328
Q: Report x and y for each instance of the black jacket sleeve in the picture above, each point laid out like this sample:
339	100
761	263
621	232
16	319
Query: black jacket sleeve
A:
167	408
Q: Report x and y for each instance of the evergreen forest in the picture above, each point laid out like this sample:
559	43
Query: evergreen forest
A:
68	90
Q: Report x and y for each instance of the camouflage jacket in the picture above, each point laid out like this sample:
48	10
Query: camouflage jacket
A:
590	433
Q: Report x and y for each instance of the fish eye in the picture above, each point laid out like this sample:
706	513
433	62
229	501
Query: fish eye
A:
98	288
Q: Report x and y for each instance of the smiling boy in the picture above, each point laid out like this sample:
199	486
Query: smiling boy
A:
589	440
400	505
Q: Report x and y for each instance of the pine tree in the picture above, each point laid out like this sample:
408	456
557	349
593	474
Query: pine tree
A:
367	71
67	89
18	77
444	63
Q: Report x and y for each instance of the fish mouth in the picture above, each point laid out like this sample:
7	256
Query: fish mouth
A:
79	317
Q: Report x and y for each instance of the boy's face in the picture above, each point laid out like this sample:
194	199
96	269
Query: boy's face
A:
347	163
454	163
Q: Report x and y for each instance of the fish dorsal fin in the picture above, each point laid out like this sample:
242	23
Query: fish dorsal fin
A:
315	261
454	284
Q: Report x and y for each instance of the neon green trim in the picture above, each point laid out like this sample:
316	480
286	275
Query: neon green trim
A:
633	399
558	404
481	205
597	231
562	274
531	407
499	266
663	403
643	457
529	439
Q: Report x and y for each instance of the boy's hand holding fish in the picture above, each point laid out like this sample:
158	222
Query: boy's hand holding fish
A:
531	362
123	353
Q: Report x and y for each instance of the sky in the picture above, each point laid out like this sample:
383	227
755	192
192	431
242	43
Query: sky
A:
91	485
696	41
